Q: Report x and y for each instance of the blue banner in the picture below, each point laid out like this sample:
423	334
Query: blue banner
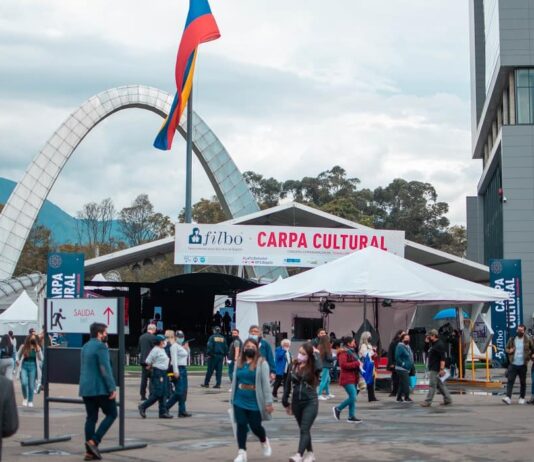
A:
506	315
65	275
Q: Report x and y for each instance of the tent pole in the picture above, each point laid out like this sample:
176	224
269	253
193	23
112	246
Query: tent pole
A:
364	309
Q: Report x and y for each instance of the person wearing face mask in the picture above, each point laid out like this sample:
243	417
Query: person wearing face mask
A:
520	350
97	389
266	351
29	359
404	362
251	399
283	363
436	370
158	362
179	353
348	379
301	383
233	352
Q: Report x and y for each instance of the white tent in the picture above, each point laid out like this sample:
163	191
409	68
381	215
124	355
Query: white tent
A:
22	315
368	274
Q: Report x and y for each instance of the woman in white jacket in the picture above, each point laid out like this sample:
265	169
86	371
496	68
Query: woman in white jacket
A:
29	359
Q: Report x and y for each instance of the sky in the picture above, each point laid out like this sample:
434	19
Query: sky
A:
292	88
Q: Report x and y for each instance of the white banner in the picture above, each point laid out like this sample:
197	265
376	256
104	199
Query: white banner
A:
75	315
252	245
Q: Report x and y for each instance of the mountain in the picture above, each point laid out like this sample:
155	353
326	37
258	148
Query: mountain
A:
60	223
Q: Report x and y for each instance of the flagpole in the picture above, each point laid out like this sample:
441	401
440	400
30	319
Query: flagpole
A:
189	167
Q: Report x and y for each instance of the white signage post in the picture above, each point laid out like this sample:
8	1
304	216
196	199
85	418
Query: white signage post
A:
285	246
75	315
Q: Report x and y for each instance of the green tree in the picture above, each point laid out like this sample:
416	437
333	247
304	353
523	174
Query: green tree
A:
35	252
206	211
266	191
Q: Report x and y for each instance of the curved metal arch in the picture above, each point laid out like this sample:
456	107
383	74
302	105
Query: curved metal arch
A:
26	200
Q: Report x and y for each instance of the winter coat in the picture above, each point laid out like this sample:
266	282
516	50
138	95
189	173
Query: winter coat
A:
349	366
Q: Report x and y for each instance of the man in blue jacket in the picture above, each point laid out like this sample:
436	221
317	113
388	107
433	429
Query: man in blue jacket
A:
266	352
97	388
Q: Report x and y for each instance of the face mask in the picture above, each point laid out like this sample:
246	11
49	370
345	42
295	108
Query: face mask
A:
180	341
104	338
520	334
250	352
406	342
302	358
235	337
254	337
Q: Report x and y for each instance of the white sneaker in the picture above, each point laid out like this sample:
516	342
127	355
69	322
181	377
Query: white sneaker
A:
241	456
25	402
331	396
323	398
266	448
507	400
30	404
309	457
521	401
296	458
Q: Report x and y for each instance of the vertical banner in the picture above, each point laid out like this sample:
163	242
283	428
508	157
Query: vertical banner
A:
64	279
505	315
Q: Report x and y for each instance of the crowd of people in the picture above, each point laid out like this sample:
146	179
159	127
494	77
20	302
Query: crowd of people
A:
256	375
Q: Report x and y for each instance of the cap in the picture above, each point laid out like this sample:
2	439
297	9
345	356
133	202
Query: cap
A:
160	338
433	332
180	334
31	331
217	330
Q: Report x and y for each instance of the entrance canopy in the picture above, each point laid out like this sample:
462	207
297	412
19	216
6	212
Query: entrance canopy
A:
376	274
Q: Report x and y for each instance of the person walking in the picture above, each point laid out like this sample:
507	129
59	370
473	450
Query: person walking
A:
266	351
29	359
97	389
366	349
348	378
520	350
251	398
146	343
6	357
216	351
436	370
179	357
327	362
9	418
301	385
282	359
157	362
234	351
391	363
404	363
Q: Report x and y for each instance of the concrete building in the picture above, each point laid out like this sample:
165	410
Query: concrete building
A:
500	219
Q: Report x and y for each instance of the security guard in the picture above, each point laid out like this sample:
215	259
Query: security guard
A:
158	361
216	352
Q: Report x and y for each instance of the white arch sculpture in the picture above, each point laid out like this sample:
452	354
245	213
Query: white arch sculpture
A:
26	200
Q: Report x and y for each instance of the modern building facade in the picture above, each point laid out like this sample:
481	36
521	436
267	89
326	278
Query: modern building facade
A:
500	219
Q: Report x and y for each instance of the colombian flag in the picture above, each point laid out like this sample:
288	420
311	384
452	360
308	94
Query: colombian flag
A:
200	27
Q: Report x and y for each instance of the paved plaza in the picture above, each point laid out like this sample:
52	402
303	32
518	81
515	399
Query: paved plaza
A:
478	427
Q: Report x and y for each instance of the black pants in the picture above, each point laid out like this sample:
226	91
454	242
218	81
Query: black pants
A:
245	419
513	372
394	382
279	380
92	406
215	364
371	391
144	381
305	412
404	384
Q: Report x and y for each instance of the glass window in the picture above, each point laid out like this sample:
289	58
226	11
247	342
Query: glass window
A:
524	80
523	106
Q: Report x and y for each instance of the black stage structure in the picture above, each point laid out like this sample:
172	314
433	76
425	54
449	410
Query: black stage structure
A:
186	302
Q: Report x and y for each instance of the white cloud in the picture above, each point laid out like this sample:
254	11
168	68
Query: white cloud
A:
291	88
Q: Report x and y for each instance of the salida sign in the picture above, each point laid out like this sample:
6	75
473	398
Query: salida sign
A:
276	245
76	315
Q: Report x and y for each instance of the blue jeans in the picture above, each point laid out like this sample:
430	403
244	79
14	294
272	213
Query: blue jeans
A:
180	392
92	406
231	366
325	382
28	374
350	401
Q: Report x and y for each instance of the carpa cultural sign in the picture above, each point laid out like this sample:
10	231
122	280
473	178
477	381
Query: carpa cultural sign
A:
65	275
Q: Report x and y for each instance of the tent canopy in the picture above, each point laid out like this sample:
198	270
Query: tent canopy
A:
20	316
376	273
